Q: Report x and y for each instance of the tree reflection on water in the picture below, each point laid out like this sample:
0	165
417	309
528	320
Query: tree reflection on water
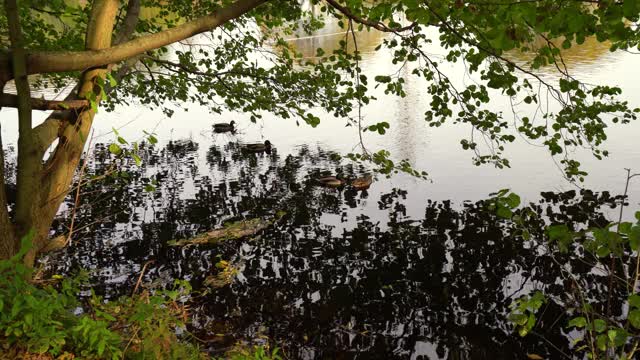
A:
319	286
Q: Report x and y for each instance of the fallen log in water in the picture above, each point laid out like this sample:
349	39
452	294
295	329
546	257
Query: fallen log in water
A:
235	230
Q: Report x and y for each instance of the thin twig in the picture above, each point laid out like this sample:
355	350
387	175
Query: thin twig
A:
144	267
357	55
77	199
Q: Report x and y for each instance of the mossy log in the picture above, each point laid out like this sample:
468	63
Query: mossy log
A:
235	230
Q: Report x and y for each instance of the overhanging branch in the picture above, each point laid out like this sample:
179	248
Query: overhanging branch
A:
61	61
11	100
374	24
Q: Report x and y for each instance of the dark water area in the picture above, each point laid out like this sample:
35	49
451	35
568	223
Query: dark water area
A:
327	280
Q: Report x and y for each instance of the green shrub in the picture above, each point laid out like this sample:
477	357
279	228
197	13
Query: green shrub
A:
41	319
254	353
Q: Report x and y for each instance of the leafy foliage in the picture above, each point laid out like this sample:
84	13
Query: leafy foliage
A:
255	353
523	313
41	319
249	65
601	329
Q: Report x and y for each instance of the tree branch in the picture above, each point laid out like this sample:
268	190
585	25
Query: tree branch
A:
49	130
59	61
130	22
11	100
374	24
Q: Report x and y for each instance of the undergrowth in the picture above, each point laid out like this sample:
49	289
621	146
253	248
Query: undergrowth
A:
47	321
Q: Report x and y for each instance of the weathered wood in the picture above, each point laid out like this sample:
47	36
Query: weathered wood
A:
236	230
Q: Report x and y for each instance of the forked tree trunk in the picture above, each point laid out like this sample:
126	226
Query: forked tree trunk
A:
59	171
43	187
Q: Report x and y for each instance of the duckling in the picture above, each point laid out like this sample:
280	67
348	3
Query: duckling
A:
256	148
224	127
330	181
362	183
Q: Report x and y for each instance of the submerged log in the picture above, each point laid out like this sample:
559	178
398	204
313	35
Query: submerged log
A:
235	230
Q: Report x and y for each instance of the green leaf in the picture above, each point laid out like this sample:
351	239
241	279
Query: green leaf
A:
94	105
630	9
599	325
634	318
557	231
513	200
523	331
28	319
115	149
634	301
561	234
137	159
578	322
603	251
112	80
601	342
504	212
624	228
531	321
26	243
518	319
618	336
634	238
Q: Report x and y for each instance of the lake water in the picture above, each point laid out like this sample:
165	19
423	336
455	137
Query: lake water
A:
407	269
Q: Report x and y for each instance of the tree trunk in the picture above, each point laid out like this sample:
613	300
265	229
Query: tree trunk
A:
27	171
57	174
7	236
43	187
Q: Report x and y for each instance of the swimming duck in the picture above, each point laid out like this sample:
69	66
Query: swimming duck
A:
266	147
330	181
224	127
362	183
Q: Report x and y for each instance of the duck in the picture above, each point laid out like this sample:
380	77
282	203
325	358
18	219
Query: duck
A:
330	181
257	148
362	183
224	127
